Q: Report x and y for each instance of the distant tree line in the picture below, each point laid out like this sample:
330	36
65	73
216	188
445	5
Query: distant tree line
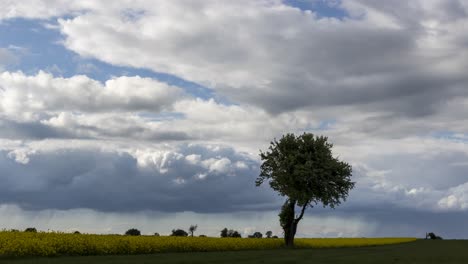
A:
225	232
230	233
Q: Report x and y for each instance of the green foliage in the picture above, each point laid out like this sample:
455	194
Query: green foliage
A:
179	232
303	169
286	215
268	234
230	233
224	232
256	235
432	236
31	229
156	234
133	232
192	229
234	234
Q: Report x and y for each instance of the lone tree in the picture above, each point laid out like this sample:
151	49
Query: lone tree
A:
303	169
133	232
268	234
192	229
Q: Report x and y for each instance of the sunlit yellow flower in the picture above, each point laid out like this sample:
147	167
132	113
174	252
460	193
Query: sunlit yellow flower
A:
53	244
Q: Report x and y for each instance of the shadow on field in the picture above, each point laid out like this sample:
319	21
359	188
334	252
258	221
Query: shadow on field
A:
421	251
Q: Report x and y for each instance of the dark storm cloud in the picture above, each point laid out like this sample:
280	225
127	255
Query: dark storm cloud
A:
390	221
412	95
409	12
417	223
140	132
12	129
105	181
211	179
370	69
36	130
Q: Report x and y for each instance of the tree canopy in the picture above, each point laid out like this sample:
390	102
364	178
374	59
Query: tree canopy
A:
133	232
303	169
192	229
230	233
179	232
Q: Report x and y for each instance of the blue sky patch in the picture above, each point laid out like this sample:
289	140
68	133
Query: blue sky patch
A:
323	8
449	135
38	47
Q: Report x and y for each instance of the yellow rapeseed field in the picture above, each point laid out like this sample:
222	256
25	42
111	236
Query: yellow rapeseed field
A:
56	244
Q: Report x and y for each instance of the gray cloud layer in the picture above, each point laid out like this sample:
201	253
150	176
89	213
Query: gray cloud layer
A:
193	178
387	83
281	58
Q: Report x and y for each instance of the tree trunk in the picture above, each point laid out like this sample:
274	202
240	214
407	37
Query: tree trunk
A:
289	223
290	234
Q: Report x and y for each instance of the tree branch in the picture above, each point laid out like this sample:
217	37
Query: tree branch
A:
302	213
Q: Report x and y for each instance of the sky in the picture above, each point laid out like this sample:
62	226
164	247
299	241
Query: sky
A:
151	114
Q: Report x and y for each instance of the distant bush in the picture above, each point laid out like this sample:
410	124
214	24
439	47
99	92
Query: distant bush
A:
179	232
77	232
268	234
31	229
133	232
432	236
256	235
224	232
201	236
235	234
274	237
230	233
156	234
